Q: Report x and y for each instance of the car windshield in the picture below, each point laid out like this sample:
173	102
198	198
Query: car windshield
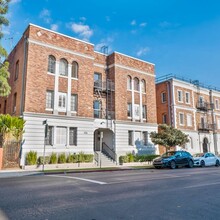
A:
198	155
168	154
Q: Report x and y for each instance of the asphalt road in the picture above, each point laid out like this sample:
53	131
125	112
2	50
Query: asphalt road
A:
136	194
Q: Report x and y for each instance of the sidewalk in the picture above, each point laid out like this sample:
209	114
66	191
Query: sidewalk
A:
17	173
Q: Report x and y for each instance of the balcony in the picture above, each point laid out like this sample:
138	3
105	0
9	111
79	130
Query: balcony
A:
204	106
104	114
206	127
104	86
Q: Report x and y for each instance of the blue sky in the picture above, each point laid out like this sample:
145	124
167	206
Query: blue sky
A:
179	36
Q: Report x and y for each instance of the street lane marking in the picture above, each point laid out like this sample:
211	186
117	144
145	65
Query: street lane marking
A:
201	185
77	178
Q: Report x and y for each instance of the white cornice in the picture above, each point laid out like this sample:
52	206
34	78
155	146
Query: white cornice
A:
131	69
100	65
59	48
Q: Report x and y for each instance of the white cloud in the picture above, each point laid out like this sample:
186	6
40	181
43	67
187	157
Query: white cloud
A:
15	1
45	15
143	51
143	24
82	30
54	27
133	22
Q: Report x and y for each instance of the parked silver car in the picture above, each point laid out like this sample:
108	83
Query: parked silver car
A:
206	159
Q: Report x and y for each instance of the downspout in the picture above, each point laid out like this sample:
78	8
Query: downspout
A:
173	118
23	76
169	101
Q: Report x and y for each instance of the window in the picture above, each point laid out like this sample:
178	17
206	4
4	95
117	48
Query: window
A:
145	137
144	111
137	111
130	138
75	68
14	102
181	118
49	138
136	84
129	83
201	99
62	101
16	70
216	104
180	96
49	99
74	102
143	86
73	136
51	64
164	118
163	97
61	135
97	80
187	97
129	110
63	67
97	105
189	120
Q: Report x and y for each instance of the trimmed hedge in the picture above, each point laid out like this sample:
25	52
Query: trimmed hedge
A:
31	158
128	158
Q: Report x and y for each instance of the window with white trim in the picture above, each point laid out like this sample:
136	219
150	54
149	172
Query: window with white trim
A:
216	104
62	101
130	138
136	84
49	99
129	110
61	135
75	68
50	135
144	112
164	118
187	97
129	82
143	86
145	137
189	120
73	136
181	118
163	97
51	64
74	102
63	68
137	111
180	96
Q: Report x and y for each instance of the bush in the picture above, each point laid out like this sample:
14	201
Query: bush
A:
31	158
41	160
81	157
53	158
129	157
62	158
88	158
123	159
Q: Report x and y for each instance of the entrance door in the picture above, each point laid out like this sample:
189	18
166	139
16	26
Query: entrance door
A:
205	145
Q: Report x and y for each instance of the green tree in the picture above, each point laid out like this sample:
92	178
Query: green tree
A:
168	137
4	73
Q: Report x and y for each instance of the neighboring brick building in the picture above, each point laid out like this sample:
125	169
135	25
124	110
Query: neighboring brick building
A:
83	95
191	107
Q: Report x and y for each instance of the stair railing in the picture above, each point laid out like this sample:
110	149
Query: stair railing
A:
108	151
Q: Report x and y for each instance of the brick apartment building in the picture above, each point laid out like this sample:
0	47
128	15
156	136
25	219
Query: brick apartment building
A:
191	107
90	100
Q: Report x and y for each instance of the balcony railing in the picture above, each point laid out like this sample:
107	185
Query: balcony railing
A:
104	85
206	127
204	106
104	114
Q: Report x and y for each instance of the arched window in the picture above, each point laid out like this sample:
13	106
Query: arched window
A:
75	67
129	80
143	86
51	64
136	84
63	67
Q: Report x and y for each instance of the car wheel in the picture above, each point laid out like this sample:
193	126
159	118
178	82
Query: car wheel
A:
202	163
190	165
172	164
157	167
217	163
